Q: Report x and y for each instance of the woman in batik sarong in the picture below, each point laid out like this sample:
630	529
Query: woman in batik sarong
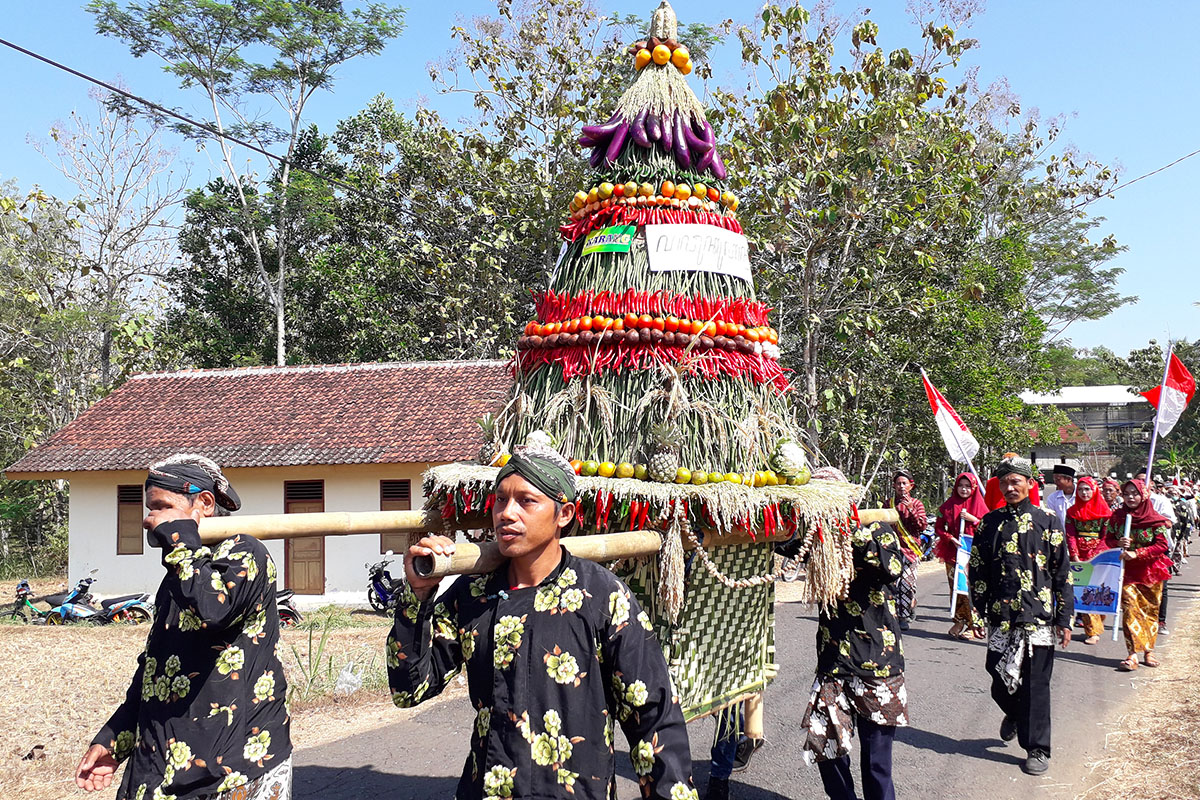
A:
1087	525
1147	569
912	525
958	516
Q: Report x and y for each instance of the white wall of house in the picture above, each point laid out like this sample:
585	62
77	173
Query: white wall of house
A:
348	487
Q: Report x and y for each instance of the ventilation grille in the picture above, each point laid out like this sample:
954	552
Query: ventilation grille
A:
304	490
129	494
396	491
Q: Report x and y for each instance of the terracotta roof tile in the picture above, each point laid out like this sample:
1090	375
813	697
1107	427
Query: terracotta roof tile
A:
283	416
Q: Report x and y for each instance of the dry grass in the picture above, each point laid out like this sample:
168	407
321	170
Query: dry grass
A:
1154	744
59	684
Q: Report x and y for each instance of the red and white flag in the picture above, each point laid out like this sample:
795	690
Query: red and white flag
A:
960	444
1173	396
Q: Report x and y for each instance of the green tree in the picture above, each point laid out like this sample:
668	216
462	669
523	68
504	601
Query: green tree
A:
898	226
209	45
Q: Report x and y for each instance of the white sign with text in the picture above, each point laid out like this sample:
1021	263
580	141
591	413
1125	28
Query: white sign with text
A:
705	248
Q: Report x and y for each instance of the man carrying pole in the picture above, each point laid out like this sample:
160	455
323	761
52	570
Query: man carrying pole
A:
205	715
1020	575
556	649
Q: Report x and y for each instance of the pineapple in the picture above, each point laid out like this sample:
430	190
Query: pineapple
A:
788	458
665	441
490	450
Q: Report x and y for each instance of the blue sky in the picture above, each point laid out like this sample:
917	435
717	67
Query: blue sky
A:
1128	91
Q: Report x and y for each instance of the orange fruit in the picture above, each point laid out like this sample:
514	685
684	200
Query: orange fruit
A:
668	189
682	191
661	54
642	58
681	56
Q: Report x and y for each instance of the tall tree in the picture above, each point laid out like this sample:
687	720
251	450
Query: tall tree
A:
209	45
128	189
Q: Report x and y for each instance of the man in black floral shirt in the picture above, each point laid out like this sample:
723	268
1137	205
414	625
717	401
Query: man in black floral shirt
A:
556	650
860	673
1020	576
205	715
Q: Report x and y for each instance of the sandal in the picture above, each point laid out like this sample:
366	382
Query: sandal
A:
1150	661
1128	665
980	634
1091	640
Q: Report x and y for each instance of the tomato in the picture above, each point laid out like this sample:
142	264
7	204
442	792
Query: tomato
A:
772	336
710	329
531	329
668	189
631	320
658	324
645	321
671	324
618	324
739	330
722	328
752	334
585	323
556	327
572	326
697	327
576	465
713	194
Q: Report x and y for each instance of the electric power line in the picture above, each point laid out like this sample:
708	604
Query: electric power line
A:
209	129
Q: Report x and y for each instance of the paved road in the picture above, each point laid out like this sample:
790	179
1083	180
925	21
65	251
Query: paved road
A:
952	749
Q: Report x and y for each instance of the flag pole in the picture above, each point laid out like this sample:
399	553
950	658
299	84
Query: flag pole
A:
1158	415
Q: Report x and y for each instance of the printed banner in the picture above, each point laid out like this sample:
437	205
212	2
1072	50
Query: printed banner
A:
1098	583
961	586
614	239
698	248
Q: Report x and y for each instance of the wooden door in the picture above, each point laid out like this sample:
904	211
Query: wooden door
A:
304	569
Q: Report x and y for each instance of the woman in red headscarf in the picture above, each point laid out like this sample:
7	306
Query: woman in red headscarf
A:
1087	524
1147	568
957	516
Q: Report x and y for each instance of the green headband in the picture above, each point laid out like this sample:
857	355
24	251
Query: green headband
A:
543	472
1020	466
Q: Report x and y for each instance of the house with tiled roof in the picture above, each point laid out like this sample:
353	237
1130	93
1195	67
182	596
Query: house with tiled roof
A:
352	437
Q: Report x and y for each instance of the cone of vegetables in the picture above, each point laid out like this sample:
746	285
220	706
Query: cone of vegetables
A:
654	368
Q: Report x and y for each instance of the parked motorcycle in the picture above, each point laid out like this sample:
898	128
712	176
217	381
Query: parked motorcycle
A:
23	609
79	606
383	591
289	615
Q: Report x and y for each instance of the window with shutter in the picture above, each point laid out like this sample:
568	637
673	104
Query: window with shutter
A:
129	520
394	496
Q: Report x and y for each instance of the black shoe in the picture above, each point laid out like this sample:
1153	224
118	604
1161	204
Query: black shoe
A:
903	624
1037	763
718	789
745	751
1008	729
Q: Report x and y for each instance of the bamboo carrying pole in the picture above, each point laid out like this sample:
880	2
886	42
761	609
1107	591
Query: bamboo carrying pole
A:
473	559
468	558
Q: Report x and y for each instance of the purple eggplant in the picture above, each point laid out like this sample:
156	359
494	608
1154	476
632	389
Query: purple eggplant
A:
708	134
718	166
653	127
587	141
668	135
637	129
696	145
597	157
683	156
618	141
706	160
601	133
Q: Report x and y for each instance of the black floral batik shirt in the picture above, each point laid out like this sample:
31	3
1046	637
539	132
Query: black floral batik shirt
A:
206	711
1020	570
860	636
551	670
